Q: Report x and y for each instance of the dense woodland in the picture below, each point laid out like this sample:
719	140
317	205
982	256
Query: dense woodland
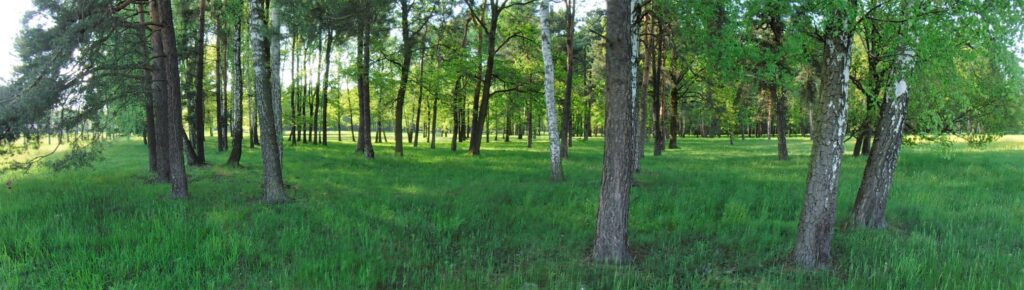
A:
456	74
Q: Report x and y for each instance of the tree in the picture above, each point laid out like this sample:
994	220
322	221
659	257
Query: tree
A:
610	243
236	109
549	95
273	181
179	181
570	31
817	221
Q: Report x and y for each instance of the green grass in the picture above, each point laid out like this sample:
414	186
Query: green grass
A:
708	215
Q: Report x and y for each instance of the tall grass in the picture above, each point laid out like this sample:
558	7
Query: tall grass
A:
708	215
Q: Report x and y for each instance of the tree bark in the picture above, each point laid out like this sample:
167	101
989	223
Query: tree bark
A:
275	77
570	31
873	196
198	103
817	221
273	180
611	240
176	167
236	108
549	95
407	47
158	97
364	145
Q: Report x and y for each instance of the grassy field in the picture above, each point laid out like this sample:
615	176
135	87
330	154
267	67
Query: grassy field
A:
709	215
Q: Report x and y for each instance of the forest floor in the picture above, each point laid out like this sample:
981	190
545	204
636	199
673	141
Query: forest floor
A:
708	215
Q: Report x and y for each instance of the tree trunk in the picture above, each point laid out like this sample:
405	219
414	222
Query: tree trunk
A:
222	134
549	96
273	181
326	87
275	77
364	145
419	100
179	181
570	31
611	240
158	97
873	196
198	111
658	101
236	108
817	221
403	82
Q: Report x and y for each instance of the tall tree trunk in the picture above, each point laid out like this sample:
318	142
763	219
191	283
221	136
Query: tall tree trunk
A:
549	95
419	100
236	108
640	119
658	101
273	180
179	181
198	111
570	31
433	123
222	136
275	76
364	145
611	240
781	104
158	98
326	87
529	124
873	196
294	66
817	221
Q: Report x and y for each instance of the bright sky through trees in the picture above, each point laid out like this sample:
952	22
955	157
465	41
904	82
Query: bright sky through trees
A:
10	23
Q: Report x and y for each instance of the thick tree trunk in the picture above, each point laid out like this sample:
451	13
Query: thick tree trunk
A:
179	181
817	221
236	108
364	145
611	240
549	95
873	196
198	103
158	98
273	180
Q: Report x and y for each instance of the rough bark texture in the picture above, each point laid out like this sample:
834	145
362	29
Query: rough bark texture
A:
159	99
610	242
237	92
176	167
273	181
817	221
549	94
198	103
364	144
275	76
873	196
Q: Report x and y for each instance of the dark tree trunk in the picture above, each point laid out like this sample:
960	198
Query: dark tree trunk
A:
364	145
570	31
403	83
873	196
273	180
611	240
179	181
236	108
150	78
222	130
157	101
817	221
673	115
295	53
326	87
433	124
781	120
198	109
657	100
419	100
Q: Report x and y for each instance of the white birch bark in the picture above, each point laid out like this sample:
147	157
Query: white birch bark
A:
549	93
